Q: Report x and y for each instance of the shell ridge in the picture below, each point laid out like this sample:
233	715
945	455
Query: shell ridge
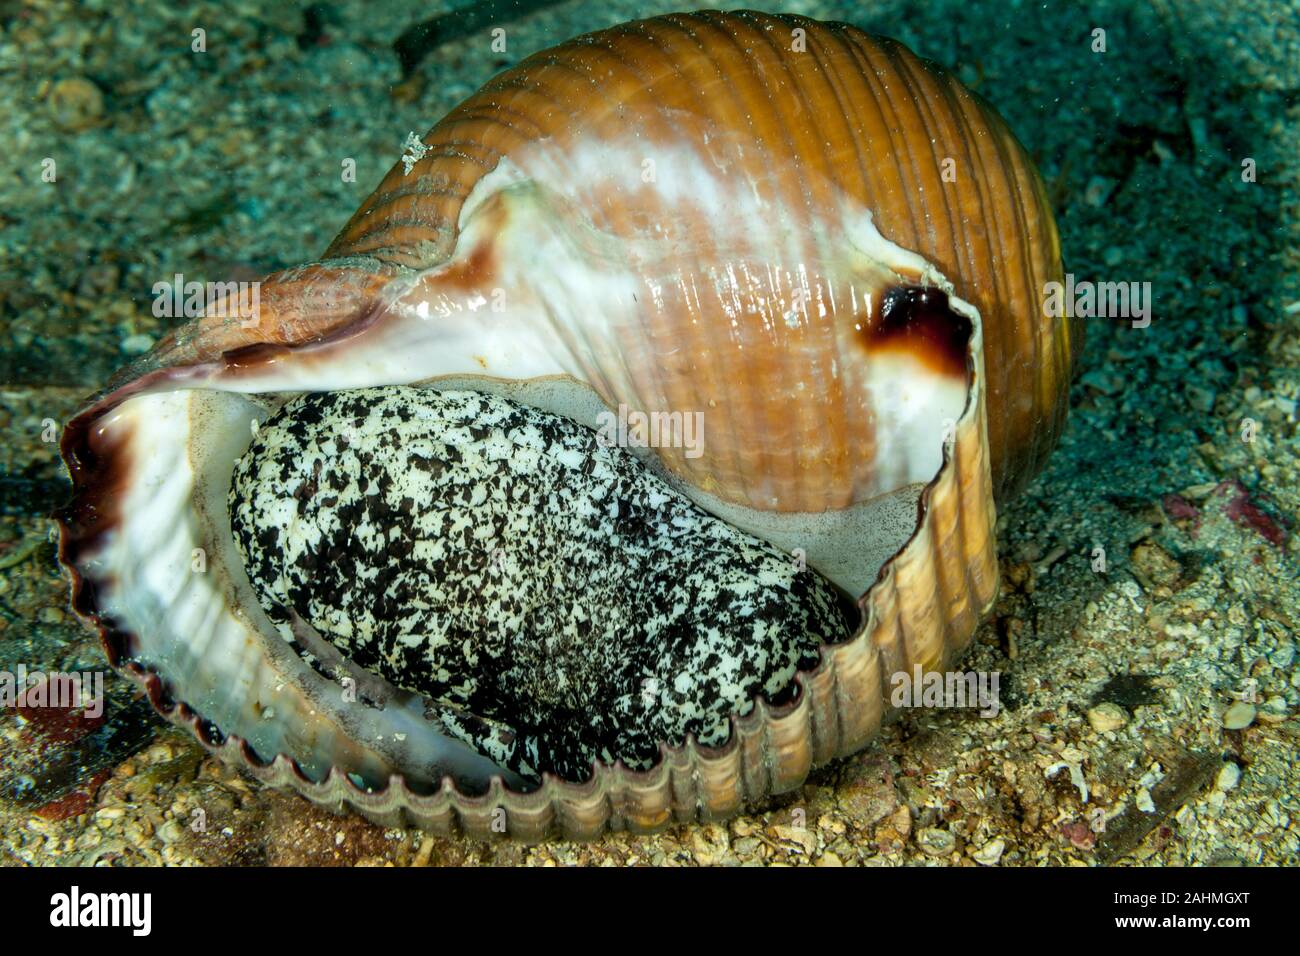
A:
1023	331
751	92
739	466
920	93
830	194
869	74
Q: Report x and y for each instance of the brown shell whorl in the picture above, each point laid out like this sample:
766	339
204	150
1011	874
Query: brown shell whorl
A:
856	112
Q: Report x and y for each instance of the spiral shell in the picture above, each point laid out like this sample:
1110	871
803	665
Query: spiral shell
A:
821	239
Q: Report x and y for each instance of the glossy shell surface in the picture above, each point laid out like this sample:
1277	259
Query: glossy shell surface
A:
846	119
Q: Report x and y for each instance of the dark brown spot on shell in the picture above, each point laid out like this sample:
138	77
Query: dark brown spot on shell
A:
920	321
99	467
100	472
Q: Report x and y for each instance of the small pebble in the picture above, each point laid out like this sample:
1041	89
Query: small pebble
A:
1198	492
1098	191
936	842
1239	716
171	832
137	344
1107	717
76	104
1080	835
51	615
799	836
1229	775
1104	381
990	853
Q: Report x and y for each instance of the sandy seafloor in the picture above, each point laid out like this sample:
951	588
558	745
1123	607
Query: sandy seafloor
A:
1112	745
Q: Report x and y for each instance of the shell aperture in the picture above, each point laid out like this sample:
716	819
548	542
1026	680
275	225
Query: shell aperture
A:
553	600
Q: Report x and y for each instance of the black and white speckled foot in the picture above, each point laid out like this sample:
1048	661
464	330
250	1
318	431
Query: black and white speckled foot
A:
555	601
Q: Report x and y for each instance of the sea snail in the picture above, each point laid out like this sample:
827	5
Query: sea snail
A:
820	244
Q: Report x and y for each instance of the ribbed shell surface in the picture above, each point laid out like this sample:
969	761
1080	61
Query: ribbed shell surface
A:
823	114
